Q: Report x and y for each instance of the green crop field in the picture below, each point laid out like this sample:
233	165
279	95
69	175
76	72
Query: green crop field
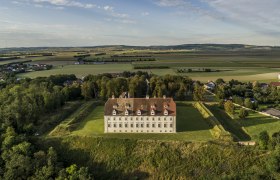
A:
190	126
231	66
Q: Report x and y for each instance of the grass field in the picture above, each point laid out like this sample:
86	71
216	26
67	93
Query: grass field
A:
242	67
256	123
190	126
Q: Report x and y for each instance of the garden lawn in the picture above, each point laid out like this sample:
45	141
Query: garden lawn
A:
191	126
256	123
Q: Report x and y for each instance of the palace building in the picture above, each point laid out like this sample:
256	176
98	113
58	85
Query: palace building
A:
140	115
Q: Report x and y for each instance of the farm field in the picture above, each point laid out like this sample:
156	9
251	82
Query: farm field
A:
241	67
190	126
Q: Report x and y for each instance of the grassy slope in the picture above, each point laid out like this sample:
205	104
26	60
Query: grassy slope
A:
228	123
190	126
256	123
141	159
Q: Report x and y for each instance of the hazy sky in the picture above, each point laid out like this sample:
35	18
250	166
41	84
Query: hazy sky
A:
138	22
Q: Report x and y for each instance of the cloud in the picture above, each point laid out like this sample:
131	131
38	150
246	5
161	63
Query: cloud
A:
108	8
61	3
170	3
145	13
257	14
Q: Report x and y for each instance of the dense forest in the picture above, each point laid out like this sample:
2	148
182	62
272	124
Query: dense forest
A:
25	154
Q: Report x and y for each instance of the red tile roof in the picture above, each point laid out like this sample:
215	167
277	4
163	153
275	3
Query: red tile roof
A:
275	84
140	103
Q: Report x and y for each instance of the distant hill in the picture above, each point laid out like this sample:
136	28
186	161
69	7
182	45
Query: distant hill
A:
197	47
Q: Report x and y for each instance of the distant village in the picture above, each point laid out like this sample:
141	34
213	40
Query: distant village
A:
20	67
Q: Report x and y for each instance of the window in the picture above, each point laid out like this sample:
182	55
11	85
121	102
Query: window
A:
153	125
120	125
126	119
125	125
171	119
114	118
109	125
119	118
115	125
165	125
171	125
108	119
120	131
165	119
139	112
153	119
137	118
137	125
131	125
165	112
141	119
159	125
148	125
152	112
142	125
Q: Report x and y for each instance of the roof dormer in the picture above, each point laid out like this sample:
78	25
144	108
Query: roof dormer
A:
127	106
139	112
114	112
165	112
153	106
126	112
115	106
153	112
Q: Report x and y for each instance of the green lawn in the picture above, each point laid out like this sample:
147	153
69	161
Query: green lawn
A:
228	123
190	126
256	123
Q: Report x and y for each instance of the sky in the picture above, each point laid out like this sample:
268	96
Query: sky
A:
32	23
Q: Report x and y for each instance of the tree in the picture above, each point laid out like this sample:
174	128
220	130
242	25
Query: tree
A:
263	140
87	90
199	92
248	103
243	113
229	107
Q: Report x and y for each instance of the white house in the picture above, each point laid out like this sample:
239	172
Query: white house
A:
140	115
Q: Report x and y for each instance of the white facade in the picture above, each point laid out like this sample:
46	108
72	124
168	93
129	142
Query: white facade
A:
140	124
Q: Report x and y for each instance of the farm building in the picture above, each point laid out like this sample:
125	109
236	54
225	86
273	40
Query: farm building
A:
140	115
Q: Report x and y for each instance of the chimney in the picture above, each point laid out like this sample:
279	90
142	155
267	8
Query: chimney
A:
147	97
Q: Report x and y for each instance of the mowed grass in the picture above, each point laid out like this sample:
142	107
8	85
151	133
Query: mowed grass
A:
190	127
256	123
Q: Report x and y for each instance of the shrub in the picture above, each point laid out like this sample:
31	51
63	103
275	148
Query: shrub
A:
243	113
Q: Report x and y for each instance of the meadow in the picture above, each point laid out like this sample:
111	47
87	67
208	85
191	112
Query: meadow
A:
237	65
